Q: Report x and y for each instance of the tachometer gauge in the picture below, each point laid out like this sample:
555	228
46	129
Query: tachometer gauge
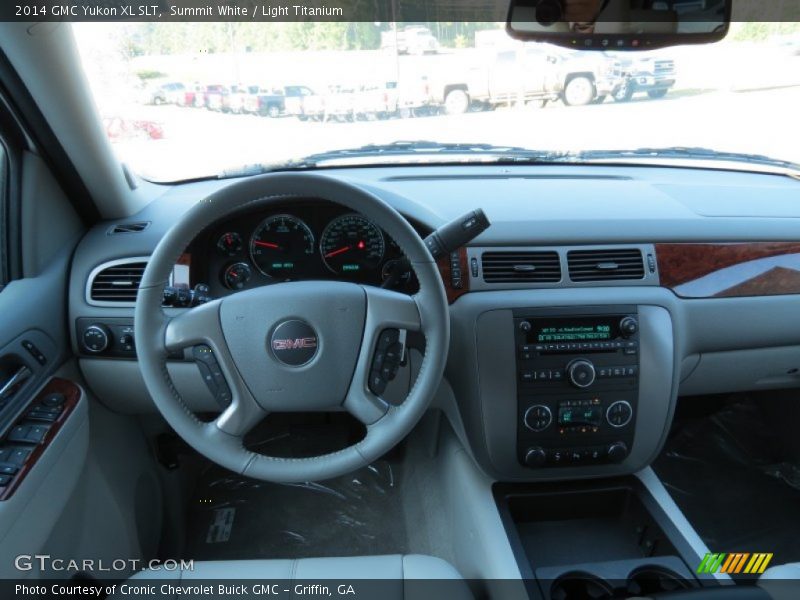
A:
281	246
352	244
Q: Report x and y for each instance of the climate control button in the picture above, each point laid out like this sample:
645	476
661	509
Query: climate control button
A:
619	413
538	418
581	373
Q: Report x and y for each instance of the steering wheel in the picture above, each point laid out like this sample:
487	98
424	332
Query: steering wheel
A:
295	346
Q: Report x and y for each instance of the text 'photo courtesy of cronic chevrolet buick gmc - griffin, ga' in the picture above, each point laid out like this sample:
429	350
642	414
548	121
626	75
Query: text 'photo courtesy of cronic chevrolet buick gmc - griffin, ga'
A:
492	299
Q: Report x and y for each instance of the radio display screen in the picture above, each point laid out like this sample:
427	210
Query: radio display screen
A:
577	329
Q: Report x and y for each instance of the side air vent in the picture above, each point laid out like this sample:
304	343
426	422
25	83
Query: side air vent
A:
605	265
116	282
521	267
129	227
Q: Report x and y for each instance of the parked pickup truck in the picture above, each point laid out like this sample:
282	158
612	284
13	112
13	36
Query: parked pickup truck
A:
652	74
530	73
410	40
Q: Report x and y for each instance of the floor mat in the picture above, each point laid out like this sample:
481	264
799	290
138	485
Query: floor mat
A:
727	474
234	517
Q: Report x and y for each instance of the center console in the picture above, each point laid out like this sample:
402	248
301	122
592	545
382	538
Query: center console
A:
577	384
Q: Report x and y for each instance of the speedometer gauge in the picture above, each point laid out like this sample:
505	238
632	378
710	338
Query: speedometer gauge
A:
352	244
281	245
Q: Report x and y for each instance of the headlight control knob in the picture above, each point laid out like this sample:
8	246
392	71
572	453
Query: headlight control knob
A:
96	338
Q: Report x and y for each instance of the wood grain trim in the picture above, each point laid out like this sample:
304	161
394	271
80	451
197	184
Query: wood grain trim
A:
730	270
72	395
443	263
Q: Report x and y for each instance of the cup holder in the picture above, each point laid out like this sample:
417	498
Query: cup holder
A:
579	585
653	579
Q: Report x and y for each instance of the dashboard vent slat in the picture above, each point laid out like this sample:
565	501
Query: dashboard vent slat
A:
129	227
605	265
521	267
118	283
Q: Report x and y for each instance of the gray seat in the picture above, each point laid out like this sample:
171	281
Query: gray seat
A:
391	577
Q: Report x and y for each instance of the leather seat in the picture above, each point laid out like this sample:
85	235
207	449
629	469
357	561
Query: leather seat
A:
782	582
393	577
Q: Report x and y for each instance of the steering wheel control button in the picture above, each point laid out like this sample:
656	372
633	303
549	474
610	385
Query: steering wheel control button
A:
294	343
581	373
538	417
96	338
212	374
619	413
386	361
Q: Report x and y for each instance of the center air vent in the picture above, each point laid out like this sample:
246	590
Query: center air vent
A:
521	267
605	265
117	282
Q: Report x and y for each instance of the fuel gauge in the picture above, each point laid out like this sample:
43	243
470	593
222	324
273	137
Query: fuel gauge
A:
236	276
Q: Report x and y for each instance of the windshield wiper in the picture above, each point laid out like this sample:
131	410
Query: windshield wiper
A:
680	152
496	154
430	148
404	149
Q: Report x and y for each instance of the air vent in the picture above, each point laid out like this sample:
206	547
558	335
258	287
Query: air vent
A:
117	283
521	267
129	227
605	265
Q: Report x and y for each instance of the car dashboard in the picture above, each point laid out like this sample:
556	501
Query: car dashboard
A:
598	295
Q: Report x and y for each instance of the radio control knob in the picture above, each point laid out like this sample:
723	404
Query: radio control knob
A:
535	457
581	373
628	326
617	451
96	338
525	326
538	418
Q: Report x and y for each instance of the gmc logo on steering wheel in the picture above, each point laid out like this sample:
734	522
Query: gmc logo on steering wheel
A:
306	342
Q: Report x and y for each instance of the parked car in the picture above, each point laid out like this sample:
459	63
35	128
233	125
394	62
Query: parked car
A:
340	103
410	40
164	93
376	101
531	73
118	128
651	74
302	102
189	96
235	98
265	101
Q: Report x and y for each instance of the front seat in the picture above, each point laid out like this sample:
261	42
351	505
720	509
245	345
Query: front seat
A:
391	577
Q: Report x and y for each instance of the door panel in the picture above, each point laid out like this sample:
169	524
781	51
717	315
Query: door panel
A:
43	420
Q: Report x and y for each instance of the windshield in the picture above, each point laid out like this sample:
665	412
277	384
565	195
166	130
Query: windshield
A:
190	100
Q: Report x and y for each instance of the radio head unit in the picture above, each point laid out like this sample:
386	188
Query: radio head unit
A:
577	384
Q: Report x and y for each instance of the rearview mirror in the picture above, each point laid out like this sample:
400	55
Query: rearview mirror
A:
619	24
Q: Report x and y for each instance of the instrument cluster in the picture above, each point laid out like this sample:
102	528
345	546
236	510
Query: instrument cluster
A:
298	241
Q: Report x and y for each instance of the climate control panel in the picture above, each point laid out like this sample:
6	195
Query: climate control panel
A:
577	385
